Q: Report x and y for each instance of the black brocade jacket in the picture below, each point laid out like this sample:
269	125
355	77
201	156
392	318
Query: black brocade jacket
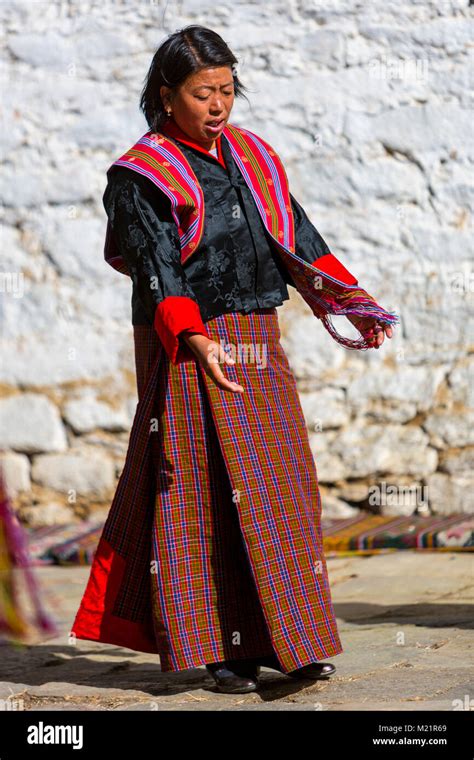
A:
234	268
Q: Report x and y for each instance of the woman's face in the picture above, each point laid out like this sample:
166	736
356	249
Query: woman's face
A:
204	97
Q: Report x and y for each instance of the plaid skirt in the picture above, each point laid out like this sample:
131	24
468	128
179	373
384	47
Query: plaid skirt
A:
212	549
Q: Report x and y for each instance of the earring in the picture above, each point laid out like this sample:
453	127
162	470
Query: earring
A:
169	113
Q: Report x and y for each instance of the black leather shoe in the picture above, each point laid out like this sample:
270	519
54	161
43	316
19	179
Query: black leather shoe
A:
228	681
312	671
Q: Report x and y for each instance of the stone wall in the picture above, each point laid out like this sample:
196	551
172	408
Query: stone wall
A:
369	106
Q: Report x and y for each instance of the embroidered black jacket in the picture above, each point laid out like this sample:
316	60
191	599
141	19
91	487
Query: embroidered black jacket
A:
235	267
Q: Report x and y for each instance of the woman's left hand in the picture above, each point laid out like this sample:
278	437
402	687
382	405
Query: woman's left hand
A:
371	329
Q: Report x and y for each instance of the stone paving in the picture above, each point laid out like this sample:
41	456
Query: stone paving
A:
406	623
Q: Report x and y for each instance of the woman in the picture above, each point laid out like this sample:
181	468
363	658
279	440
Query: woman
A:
212	550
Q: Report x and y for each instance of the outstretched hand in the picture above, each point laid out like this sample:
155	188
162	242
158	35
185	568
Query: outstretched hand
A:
371	329
210	354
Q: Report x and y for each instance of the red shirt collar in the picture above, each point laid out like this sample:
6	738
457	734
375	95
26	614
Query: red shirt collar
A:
171	129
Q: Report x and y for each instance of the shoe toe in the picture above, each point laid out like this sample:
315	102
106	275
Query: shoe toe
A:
234	684
314	671
231	682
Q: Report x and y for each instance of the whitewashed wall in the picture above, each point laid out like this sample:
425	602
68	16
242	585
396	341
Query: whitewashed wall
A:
369	106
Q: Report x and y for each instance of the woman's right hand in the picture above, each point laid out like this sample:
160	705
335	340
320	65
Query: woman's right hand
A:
210	354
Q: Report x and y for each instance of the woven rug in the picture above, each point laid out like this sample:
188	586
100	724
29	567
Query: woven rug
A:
72	544
373	534
363	534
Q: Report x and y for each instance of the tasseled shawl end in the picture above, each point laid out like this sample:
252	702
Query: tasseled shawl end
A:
350	300
328	296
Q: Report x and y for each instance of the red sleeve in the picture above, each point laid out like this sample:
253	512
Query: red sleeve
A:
333	267
174	315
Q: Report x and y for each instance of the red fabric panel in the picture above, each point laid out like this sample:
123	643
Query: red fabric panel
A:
95	620
172	316
333	267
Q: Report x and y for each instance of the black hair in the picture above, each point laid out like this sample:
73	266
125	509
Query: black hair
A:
184	52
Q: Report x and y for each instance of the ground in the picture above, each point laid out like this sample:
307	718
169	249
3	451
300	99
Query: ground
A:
405	621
